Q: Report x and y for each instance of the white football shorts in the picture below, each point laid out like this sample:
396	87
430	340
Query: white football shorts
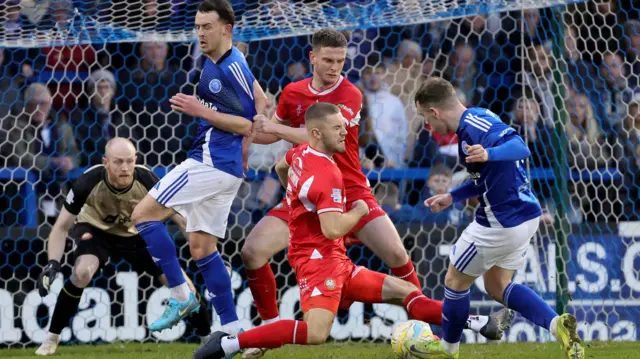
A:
479	248
200	193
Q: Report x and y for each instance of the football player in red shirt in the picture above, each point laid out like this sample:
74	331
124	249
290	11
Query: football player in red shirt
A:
271	235
318	221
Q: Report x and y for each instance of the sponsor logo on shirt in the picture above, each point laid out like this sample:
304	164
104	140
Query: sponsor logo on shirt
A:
336	194
70	197
209	105
345	108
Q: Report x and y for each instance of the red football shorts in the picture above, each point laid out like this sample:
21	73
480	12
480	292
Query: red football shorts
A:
324	284
375	211
280	211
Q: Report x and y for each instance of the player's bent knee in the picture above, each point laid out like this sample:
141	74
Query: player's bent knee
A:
317	335
456	280
202	244
82	275
397	256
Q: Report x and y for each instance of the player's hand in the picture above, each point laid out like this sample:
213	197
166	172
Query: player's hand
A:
48	275
476	153
263	125
361	207
439	202
188	105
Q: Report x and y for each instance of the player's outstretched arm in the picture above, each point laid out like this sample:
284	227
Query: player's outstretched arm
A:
274	130
282	169
192	107
513	149
55	249
335	224
58	235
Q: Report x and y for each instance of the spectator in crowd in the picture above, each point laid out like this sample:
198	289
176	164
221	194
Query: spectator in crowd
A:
525	118
614	91
601	28
387	113
146	90
588	152
296	71
538	77
10	85
632	48
462	71
627	134
439	182
97	120
37	141
12	26
581	73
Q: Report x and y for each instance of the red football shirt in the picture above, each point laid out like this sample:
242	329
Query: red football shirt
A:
314	186
296	99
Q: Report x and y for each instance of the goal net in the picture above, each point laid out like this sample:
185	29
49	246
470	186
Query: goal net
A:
564	74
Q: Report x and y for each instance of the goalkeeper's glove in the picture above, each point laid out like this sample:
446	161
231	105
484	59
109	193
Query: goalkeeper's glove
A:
47	277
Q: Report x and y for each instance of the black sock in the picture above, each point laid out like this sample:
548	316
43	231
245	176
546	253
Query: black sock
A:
66	307
201	320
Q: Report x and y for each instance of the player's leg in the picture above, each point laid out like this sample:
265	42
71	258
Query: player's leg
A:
268	237
372	287
206	222
91	254
319	309
142	262
315	329
201	319
380	235
499	285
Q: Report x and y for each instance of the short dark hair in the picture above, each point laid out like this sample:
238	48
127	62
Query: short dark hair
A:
435	91
222	7
328	38
440	169
320	110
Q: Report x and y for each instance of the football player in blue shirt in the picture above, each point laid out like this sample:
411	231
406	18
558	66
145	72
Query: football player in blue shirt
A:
203	187
495	244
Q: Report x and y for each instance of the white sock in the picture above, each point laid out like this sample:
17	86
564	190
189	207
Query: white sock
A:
230	344
552	326
53	337
269	321
477	322
450	348
181	293
231	328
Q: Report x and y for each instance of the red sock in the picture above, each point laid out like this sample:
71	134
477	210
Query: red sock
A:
274	335
262	283
408	273
422	308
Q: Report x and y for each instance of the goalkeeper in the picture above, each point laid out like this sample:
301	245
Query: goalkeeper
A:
100	203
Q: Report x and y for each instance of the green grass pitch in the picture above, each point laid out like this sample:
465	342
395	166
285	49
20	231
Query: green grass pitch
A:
600	350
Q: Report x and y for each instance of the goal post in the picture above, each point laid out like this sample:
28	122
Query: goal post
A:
565	74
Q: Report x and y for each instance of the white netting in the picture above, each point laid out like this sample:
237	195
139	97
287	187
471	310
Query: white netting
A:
57	22
564	76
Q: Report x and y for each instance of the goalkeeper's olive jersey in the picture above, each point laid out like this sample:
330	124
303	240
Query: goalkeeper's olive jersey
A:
101	205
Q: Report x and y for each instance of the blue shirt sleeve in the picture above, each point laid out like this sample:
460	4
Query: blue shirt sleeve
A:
464	191
512	149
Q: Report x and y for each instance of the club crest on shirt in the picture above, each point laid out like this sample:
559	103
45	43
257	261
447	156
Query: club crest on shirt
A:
215	86
86	236
464	145
299	110
330	284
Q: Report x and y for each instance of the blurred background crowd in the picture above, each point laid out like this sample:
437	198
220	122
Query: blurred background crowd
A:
60	105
